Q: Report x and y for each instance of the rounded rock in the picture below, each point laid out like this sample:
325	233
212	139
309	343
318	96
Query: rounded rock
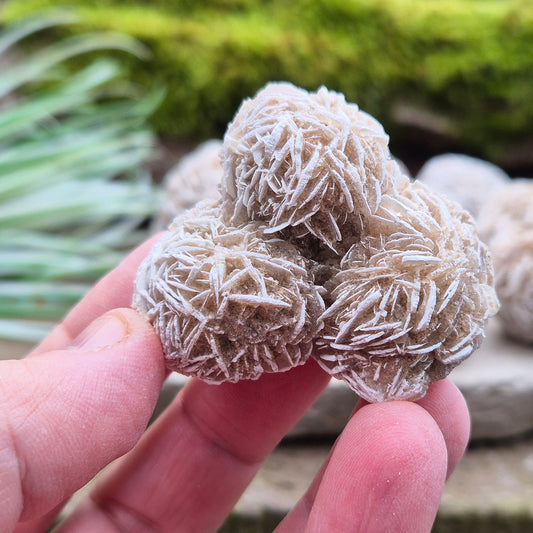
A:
408	304
228	303
463	179
506	223
305	161
194	178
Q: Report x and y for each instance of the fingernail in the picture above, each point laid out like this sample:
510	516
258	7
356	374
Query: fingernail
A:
102	333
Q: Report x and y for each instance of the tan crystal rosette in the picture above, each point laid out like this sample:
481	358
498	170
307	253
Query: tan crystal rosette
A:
319	246
228	303
506	224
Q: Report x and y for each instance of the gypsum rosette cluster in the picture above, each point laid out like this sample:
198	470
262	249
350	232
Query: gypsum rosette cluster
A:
319	247
195	177
469	181
505	223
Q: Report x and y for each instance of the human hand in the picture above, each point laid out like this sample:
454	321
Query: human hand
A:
85	395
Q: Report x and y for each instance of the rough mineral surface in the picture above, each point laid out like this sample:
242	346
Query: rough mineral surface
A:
228	303
411	300
305	161
506	222
195	178
319	244
466	180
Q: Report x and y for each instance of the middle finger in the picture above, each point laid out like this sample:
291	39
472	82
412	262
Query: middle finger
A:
191	467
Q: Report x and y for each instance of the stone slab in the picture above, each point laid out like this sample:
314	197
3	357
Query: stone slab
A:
491	490
326	417
497	382
14	349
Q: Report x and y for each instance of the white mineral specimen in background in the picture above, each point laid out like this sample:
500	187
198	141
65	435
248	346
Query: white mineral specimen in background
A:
195	177
319	246
463	179
506	224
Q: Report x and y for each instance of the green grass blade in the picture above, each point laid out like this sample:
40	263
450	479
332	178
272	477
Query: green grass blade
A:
25	330
48	242
77	204
51	56
43	300
71	95
97	159
74	193
16	33
37	265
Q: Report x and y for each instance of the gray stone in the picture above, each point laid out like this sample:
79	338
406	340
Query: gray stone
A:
497	382
491	486
329	414
14	349
494	479
282	480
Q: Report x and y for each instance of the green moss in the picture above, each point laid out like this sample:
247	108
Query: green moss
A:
467	60
489	523
262	523
464	523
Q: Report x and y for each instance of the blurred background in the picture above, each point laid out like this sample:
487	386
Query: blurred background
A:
440	75
100	100
158	78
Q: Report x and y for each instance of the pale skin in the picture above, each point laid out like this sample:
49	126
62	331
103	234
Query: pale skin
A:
84	397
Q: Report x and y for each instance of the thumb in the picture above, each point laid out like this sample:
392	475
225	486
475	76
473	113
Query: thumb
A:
66	414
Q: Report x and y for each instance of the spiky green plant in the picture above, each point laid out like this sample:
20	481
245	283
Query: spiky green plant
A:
74	191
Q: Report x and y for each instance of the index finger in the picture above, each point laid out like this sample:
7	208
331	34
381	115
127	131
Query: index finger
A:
114	290
194	462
